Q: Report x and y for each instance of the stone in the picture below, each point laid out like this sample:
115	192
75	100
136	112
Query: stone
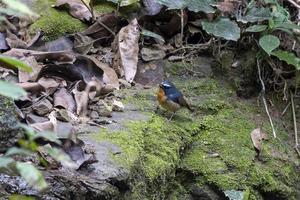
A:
42	107
152	54
117	106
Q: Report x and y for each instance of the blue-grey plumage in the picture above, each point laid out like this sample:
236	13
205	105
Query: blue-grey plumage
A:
170	98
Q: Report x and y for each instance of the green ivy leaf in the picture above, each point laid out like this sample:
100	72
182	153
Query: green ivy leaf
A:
173	4
17	151
32	175
5	161
152	34
269	43
124	2
288	25
204	6
256	28
255	15
50	136
10	90
14	63
61	157
224	28
288	57
18	6
192	5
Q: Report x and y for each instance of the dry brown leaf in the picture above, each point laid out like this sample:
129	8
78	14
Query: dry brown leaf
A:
63	98
126	58
110	77
32	76
77	9
49	84
227	6
100	33
82	44
257	135
13	41
57	57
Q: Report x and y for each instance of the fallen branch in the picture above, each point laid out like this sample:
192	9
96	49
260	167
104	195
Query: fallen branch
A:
263	92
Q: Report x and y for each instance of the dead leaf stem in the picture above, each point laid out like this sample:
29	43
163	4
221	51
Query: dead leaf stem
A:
106	27
182	24
263	92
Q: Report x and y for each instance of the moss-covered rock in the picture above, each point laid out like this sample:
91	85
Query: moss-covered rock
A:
56	23
204	153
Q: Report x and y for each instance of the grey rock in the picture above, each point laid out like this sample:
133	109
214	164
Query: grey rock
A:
42	107
9	130
152	54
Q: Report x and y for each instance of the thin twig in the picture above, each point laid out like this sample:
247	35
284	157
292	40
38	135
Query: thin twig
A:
295	121
294	4
284	111
106	27
182	24
263	92
196	46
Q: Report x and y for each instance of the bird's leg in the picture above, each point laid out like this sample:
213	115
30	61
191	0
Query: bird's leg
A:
157	109
171	116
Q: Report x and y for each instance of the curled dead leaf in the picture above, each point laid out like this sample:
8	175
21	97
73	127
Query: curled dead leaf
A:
77	9
126	58
257	135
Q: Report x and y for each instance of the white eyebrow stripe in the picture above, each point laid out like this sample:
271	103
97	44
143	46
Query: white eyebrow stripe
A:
166	85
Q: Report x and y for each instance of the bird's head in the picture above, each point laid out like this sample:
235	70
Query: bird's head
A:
166	84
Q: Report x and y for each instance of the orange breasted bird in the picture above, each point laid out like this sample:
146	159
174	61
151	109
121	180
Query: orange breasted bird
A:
170	98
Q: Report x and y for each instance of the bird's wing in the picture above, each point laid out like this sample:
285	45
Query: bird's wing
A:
174	96
182	102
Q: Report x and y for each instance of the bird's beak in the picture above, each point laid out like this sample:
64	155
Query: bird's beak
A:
160	85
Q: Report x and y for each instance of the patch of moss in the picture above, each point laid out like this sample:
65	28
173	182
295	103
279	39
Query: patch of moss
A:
104	7
215	148
55	23
227	135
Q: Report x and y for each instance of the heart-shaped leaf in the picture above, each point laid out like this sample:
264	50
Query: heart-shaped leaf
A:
10	90
269	43
224	28
256	28
32	176
288	57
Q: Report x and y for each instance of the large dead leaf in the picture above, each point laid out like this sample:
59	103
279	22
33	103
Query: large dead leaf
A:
257	135
32	76
77	9
65	71
103	30
57	57
110	77
50	84
126	58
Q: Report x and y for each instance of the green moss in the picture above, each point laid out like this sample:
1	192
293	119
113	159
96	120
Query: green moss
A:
213	145
55	23
227	134
104	7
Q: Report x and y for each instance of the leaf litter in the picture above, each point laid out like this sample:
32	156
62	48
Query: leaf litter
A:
74	77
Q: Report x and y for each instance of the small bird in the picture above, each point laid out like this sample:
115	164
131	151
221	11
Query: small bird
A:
170	98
